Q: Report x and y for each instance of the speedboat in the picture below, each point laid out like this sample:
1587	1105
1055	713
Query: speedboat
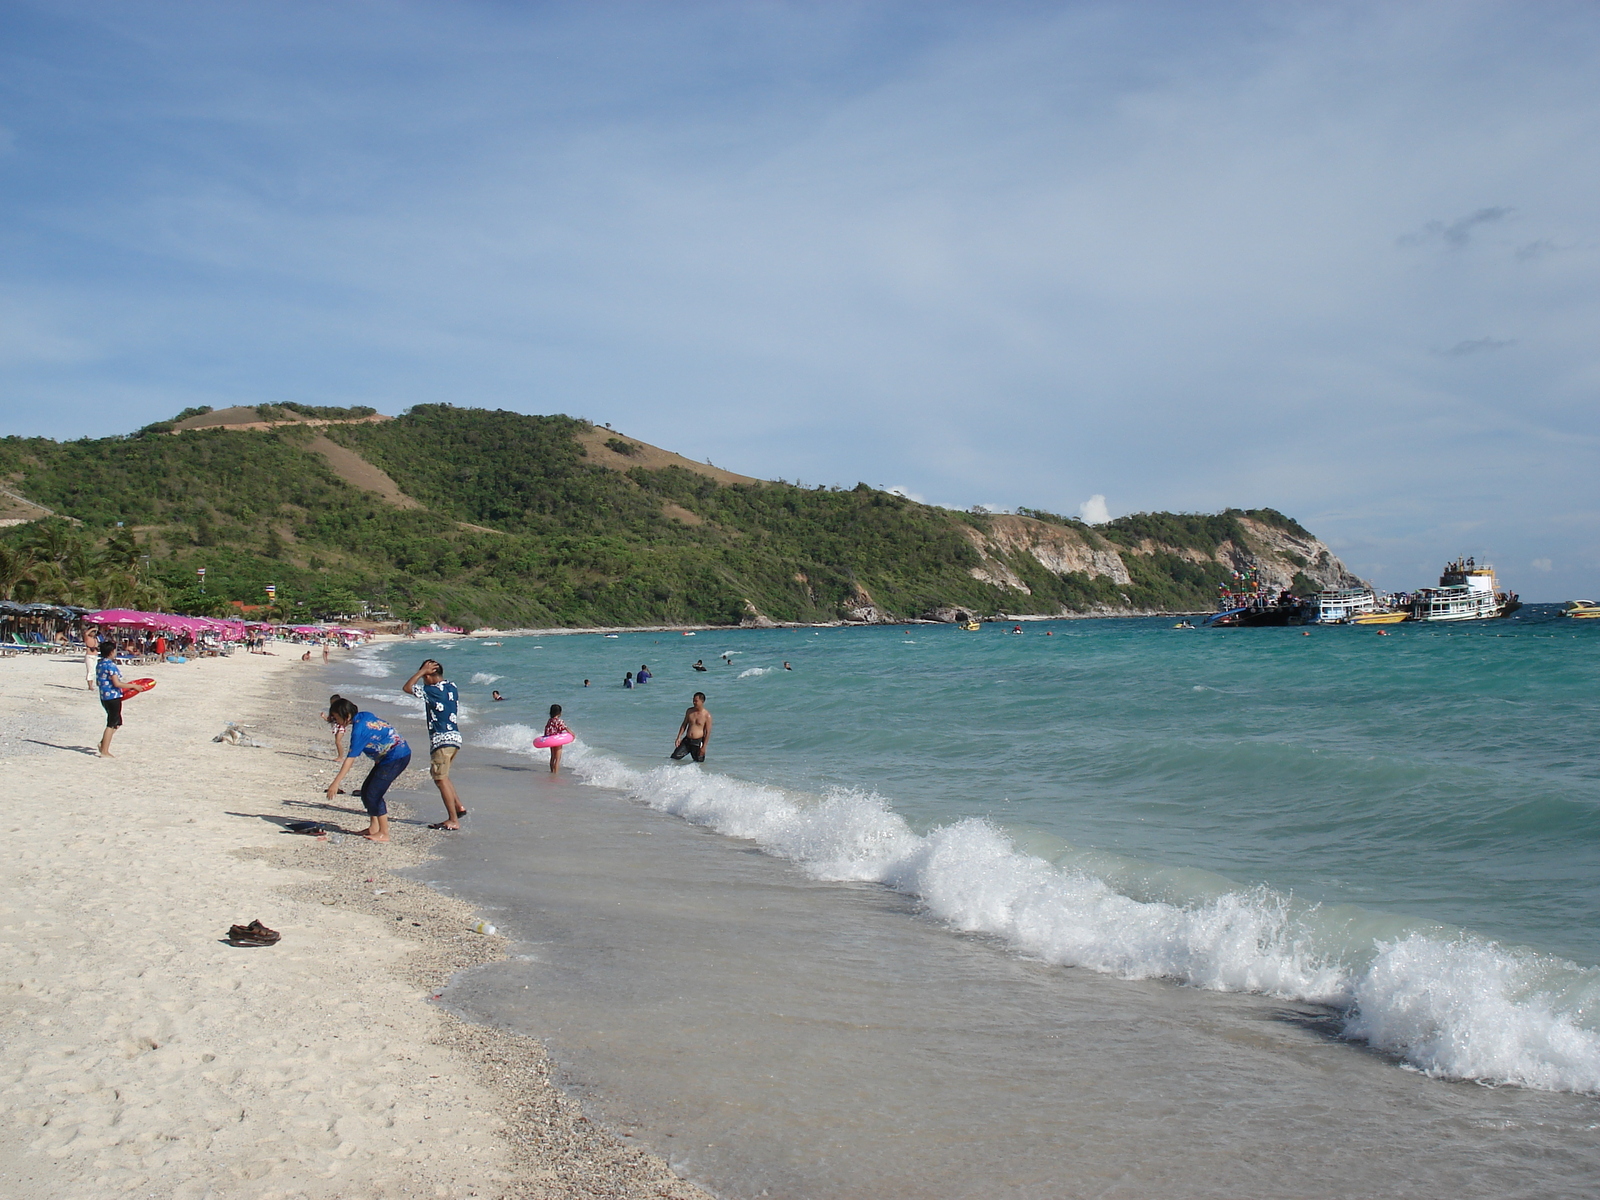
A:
1382	616
1583	609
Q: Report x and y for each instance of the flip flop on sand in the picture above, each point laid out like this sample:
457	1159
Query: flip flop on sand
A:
446	828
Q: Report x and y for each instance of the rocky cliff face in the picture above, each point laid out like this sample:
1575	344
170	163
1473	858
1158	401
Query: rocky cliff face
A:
1057	548
1277	555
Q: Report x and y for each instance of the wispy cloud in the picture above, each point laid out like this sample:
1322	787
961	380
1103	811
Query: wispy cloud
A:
1008	251
1458	233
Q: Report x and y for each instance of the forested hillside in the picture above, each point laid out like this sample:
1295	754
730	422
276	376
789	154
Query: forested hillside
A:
481	517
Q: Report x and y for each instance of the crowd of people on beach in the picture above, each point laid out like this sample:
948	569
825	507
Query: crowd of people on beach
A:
358	734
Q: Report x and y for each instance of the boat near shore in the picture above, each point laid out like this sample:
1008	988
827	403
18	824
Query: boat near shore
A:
1583	609
1248	602
1382	616
1340	606
1466	592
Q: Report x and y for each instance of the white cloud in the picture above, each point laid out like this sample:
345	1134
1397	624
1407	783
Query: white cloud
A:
908	494
1541	564
1094	511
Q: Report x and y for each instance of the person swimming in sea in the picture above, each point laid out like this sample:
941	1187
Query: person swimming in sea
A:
627	680
644	674
787	667
496	695
699	664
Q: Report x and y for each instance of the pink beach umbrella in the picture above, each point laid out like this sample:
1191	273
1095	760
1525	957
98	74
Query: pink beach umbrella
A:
124	618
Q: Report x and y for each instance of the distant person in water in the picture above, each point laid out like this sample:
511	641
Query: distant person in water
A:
496	696
627	680
585	683
787	667
644	674
699	664
552	727
694	735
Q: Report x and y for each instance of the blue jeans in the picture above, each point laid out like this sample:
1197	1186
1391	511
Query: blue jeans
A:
384	772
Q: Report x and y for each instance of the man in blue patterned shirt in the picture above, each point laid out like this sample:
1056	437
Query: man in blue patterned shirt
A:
441	703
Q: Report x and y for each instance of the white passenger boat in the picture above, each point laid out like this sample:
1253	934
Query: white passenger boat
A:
1466	592
1336	605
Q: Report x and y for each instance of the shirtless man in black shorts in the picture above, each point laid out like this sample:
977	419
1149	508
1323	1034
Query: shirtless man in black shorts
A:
694	735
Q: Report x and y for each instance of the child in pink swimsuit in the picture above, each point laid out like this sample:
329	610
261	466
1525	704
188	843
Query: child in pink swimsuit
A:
552	727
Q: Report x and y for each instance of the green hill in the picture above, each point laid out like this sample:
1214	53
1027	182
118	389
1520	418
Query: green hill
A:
481	517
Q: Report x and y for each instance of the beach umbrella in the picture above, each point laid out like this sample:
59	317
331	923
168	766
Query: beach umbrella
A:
126	618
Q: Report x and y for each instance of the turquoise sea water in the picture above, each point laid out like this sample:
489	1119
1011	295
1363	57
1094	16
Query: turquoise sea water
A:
1404	828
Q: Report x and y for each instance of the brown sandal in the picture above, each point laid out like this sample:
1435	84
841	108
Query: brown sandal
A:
253	934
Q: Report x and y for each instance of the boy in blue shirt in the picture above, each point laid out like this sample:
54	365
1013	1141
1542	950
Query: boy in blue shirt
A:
109	681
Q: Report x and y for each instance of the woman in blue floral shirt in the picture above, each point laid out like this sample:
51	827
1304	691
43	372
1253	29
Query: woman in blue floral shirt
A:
379	741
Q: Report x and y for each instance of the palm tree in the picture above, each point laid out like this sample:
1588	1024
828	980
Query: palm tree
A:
18	569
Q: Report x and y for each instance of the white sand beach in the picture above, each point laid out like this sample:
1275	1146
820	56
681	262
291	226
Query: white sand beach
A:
142	1054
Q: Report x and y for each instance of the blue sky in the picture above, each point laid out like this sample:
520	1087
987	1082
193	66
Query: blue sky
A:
1336	259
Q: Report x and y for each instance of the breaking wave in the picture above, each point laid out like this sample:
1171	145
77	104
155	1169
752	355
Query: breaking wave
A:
1447	1002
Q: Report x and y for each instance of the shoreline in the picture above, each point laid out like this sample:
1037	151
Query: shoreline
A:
564	631
142	1051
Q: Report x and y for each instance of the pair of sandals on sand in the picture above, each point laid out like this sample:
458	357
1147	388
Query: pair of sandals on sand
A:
253	934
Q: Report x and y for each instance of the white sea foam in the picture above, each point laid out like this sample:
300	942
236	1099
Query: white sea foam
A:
518	739
485	677
373	668
1467	1008
748	672
393	696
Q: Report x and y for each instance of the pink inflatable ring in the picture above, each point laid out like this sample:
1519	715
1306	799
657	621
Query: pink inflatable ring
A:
555	739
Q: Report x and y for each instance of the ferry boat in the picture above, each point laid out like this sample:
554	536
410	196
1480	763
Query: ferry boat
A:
1583	609
1466	592
1339	606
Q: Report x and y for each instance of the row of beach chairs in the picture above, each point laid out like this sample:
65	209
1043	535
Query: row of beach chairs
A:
37	643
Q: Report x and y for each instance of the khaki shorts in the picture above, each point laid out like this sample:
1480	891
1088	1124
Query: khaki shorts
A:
439	761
